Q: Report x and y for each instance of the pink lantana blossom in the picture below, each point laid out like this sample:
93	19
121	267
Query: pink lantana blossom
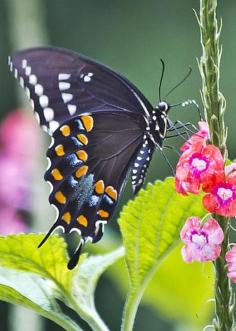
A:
202	241
199	139
221	199
198	167
230	258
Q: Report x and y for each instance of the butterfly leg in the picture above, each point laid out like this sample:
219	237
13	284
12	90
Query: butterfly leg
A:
177	125
175	128
168	162
173	149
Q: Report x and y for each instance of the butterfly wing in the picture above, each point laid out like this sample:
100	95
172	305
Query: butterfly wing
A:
89	162
62	84
97	119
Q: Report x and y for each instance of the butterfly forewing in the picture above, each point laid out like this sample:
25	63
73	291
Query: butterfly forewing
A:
62	84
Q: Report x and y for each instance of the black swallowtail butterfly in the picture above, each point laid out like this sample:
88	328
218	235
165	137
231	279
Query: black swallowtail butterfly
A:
101	126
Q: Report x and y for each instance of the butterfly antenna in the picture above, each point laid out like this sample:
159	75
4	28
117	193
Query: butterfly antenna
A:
181	82
162	75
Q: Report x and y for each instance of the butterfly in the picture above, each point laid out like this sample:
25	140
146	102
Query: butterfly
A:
102	127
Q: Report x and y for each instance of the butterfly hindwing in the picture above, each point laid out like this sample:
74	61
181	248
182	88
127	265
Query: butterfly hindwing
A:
62	84
89	162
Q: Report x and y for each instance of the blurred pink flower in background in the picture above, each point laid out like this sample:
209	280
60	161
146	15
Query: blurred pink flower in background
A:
19	138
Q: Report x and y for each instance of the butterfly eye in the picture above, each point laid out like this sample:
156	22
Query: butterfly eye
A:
163	106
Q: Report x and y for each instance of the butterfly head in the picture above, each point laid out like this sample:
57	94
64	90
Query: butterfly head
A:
163	107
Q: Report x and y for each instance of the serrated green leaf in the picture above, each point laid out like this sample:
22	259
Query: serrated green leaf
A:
33	292
76	288
150	226
20	252
85	282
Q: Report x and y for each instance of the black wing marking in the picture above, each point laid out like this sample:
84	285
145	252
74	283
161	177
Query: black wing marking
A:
62	84
90	160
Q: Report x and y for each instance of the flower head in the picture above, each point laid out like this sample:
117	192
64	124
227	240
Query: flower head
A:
202	241
230	258
199	139
199	166
222	197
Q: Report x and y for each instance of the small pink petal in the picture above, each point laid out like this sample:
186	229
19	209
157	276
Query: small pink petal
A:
192	224
214	232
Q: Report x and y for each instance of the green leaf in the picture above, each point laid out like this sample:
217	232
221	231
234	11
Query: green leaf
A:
20	252
188	303
35	293
150	225
85	283
47	269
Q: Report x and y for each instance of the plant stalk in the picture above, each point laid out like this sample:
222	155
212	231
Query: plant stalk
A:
214	109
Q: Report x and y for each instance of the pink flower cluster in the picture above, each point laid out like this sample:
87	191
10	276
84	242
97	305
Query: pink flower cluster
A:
201	168
18	141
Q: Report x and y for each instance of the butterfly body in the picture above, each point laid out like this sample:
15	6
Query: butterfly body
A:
101	126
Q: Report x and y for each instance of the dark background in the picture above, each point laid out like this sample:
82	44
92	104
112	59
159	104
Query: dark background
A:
129	36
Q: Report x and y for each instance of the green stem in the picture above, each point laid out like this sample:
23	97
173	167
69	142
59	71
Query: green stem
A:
130	310
224	298
94	320
214	108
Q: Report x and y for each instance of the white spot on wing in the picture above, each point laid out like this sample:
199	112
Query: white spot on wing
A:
43	100
33	79
16	73
22	84
48	114
28	70
64	86
27	91
36	115
38	89
53	125
32	103
67	97
71	109
63	76
24	63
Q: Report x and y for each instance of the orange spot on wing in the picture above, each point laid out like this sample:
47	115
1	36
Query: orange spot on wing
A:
82	138
99	187
82	220
60	150
87	122
59	196
65	130
66	217
81	171
103	213
56	174
82	155
111	192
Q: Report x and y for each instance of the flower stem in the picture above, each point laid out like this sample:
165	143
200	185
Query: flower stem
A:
214	108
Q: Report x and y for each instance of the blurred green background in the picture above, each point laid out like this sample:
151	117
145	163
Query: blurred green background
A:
129	36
